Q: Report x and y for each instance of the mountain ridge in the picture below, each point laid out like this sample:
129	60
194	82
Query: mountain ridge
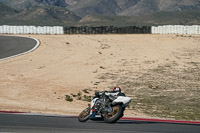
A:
37	15
86	12
21	4
130	7
110	7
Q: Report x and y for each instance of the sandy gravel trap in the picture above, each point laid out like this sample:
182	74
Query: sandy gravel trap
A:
159	72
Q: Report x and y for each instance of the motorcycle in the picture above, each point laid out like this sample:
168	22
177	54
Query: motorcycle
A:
107	107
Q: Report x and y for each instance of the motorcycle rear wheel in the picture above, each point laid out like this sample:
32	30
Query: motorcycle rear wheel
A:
84	115
115	115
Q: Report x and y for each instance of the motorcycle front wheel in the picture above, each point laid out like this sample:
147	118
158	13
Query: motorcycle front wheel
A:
84	115
115	115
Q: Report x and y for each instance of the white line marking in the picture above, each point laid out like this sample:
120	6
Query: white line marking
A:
36	46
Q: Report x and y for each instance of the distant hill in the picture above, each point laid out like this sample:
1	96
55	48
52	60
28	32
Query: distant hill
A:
111	7
21	4
91	7
159	18
99	12
48	15
130	7
6	12
152	6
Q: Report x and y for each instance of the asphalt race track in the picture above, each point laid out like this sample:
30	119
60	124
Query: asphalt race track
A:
20	123
11	46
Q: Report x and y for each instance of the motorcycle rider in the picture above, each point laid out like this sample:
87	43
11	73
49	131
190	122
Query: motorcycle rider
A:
114	93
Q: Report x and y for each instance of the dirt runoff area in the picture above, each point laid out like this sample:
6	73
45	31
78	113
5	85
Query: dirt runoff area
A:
161	73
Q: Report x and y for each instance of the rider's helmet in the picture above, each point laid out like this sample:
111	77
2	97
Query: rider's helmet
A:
117	89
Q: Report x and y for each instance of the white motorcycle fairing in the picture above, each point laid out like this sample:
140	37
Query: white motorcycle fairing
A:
122	99
92	104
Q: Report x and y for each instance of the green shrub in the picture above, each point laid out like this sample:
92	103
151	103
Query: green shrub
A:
86	91
87	98
68	98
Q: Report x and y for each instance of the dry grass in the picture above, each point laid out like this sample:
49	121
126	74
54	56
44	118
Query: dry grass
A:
170	90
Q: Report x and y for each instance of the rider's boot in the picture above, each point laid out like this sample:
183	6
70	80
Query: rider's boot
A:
92	116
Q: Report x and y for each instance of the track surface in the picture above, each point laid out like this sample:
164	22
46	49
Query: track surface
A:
12	46
46	124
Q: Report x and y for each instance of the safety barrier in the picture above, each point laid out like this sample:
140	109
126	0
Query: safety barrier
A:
6	29
108	30
176	29
165	29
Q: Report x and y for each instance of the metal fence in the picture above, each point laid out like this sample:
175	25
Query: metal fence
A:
108	30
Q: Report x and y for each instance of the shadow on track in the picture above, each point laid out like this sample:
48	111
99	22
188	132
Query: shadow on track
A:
125	122
149	122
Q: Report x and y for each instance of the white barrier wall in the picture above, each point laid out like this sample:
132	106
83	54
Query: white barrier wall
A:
6	29
166	29
176	29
